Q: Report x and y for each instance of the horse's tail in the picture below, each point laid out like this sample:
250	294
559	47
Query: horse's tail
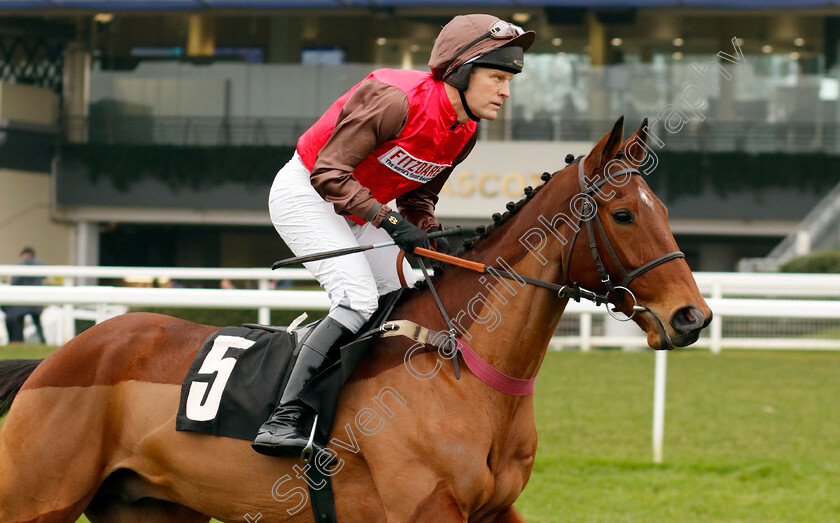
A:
12	375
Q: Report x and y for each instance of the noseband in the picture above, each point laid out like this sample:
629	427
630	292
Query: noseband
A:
588	215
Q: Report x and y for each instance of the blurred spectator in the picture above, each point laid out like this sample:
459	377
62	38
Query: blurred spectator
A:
165	282
281	284
15	314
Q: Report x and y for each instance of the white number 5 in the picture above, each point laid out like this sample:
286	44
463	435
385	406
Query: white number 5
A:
214	363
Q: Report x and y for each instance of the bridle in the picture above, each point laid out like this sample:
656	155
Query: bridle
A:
588	215
451	345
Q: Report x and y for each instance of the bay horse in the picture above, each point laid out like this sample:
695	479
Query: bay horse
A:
92	427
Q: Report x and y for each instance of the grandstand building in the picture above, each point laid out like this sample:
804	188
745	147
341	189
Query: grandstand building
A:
148	133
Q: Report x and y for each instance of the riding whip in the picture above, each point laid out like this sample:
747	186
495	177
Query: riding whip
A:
361	248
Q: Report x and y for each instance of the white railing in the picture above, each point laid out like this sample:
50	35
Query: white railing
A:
80	301
732	297
69	273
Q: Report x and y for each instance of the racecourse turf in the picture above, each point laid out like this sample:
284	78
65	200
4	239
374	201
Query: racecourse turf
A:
750	436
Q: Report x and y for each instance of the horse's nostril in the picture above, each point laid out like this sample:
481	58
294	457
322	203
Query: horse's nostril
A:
688	319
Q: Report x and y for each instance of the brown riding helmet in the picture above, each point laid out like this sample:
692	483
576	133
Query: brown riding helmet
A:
466	38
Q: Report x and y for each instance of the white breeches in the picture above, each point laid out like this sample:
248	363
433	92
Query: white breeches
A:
310	225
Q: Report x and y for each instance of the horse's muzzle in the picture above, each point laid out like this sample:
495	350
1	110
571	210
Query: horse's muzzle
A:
687	324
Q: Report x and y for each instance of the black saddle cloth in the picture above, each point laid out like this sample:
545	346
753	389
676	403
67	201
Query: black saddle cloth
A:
240	373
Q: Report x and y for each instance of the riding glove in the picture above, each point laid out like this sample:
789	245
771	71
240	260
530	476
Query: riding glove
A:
406	235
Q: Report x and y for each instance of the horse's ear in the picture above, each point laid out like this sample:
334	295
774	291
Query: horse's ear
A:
636	147
606	149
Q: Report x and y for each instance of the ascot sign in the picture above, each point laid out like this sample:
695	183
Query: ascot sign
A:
498	172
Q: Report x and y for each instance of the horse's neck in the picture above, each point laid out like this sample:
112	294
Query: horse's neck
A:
509	324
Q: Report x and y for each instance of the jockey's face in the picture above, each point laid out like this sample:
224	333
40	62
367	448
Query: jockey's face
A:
487	91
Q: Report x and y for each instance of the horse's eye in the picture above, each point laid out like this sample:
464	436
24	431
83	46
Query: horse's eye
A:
623	217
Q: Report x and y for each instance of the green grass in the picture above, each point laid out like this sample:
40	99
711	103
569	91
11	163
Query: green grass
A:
750	436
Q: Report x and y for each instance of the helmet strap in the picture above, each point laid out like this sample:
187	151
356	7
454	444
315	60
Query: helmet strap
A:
467	106
460	79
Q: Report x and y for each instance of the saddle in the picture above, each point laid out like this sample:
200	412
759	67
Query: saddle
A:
240	373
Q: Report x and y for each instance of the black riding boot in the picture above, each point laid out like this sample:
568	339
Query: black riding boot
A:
282	434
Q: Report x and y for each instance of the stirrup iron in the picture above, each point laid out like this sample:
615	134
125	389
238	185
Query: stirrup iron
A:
307	453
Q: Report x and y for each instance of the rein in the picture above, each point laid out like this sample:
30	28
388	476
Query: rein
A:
573	291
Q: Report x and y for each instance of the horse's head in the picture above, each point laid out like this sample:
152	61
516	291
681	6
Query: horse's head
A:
636	261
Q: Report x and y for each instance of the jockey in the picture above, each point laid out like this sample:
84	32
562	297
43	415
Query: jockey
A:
395	135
